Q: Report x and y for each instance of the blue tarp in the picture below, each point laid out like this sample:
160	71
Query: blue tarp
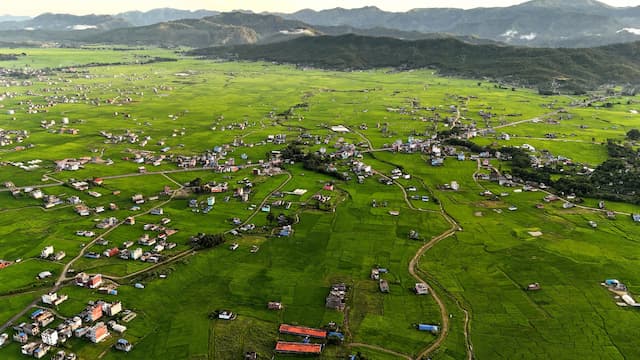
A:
426	327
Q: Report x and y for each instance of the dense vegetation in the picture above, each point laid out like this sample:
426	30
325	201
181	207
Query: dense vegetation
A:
527	66
617	179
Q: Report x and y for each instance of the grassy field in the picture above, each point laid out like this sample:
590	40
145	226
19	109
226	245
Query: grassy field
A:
193	106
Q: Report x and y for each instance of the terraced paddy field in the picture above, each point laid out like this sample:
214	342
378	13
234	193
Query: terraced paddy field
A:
476	252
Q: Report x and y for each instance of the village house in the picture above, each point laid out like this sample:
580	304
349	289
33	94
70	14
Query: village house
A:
46	252
80	185
53	298
384	286
111	252
94	281
37	350
337	297
107	223
92	313
82	210
123	345
31	329
421	289
112	309
50	337
120	329
98	332
43	317
136	254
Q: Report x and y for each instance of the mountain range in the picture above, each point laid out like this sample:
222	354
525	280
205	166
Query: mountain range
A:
218	30
537	23
542	23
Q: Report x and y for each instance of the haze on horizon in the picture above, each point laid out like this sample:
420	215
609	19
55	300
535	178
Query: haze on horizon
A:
83	7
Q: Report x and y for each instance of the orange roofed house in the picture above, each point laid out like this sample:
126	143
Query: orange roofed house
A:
303	331
298	348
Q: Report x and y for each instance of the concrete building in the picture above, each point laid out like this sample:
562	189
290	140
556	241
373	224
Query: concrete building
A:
94	313
112	309
50	337
98	332
136	254
53	299
95	281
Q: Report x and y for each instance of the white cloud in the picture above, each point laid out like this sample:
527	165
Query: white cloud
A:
82	27
529	37
629	30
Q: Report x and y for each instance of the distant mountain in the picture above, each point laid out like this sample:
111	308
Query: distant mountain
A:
223	29
139	18
4	18
399	34
66	22
189	32
535	23
579	68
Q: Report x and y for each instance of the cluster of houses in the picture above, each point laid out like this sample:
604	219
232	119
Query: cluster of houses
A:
375	275
29	165
107	223
158	244
148	158
37	340
72	164
8	137
128	137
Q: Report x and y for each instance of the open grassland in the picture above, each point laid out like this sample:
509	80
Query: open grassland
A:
192	106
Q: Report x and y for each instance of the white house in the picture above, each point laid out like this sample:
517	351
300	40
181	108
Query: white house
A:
50	337
46	252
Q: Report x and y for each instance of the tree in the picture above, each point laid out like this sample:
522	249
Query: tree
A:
633	134
206	241
270	217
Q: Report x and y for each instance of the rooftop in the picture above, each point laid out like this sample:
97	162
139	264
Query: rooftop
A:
303	331
299	348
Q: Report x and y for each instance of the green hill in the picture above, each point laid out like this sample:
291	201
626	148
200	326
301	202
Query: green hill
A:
517	65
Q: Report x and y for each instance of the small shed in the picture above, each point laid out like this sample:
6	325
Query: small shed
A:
272	305
384	286
427	327
533	287
45	274
421	289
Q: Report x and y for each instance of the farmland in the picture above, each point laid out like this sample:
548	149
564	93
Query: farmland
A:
136	122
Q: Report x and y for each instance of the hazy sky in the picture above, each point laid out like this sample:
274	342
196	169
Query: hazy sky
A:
35	7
